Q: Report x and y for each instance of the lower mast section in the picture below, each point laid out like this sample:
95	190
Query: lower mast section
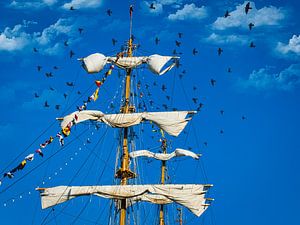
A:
163	175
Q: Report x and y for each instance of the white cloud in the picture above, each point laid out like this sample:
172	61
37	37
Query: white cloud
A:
83	4
227	39
266	16
292	47
49	41
263	79
189	12
14	39
21	4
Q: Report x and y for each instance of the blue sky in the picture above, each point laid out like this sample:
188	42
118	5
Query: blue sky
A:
253	164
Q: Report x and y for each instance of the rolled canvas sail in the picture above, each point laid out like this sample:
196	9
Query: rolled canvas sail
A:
191	196
171	122
95	63
162	156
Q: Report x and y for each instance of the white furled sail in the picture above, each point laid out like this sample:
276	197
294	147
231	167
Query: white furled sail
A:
191	196
94	63
171	122
162	156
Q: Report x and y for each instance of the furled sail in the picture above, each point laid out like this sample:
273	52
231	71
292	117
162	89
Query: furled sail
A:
171	122
162	156
191	196
94	63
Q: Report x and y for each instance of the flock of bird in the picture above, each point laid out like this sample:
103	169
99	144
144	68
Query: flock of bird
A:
142	104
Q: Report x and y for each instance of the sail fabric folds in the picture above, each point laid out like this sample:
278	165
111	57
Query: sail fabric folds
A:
94	63
171	122
191	196
161	156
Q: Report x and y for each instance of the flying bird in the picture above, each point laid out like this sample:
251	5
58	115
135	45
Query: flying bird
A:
194	88
222	112
65	95
213	82
244	117
178	43
78	92
195	100
39	68
220	50
57	107
168	97
226	14
51	89
195	51
55	67
250	25
221	131
252	45
72	8
157	40
247	7
49	74
46	105
66	43
36	95
200	106
114	41
109	12
163	87
35	50
80	30
229	70
180	34
71	54
70	84
152	6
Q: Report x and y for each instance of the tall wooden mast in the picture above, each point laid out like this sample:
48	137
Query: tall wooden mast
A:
163	178
124	173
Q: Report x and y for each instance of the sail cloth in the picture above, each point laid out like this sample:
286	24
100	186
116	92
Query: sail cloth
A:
191	196
95	63
162	156
171	122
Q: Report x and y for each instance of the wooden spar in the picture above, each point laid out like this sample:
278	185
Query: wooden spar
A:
163	178
124	172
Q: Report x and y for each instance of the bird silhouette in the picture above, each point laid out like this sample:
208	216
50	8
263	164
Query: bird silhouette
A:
109	12
80	30
205	143
39	68
180	34
200	106
244	117
252	45
51	89
213	82
250	25
220	50
157	40
195	51
71	54
178	43
65	95
57	107
222	112
154	83
114	41
152	6
221	131
70	84
168	97
55	67
229	70
165	106
226	14
195	100
247	8
66	43
88	141
163	87
35	50
194	88
49	74
78	92
72	8
36	95
46	105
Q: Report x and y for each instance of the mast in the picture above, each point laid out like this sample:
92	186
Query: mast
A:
124	172
163	171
